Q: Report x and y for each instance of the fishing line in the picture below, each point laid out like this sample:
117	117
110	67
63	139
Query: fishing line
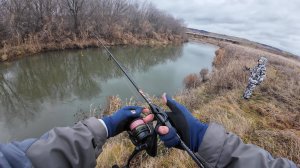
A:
134	95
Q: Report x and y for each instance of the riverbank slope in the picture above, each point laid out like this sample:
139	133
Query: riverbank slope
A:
270	119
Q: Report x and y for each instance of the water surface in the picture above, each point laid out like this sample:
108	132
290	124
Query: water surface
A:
45	91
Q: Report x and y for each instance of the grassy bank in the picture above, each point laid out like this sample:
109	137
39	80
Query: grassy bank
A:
270	119
34	46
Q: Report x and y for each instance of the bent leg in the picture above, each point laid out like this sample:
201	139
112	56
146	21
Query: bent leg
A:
249	90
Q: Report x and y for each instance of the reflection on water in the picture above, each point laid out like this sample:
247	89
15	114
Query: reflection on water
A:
44	91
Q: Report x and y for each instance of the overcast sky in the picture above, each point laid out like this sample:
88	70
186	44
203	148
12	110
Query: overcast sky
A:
272	22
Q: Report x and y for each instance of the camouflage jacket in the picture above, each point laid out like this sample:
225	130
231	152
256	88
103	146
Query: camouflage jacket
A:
257	74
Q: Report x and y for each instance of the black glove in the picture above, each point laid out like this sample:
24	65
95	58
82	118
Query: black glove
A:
246	68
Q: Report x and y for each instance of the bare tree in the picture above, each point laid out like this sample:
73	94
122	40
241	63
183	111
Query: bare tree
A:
75	7
2	24
42	12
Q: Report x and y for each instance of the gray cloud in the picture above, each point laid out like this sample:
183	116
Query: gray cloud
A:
272	22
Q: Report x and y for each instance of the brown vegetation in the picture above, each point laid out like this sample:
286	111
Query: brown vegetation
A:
195	80
270	119
31	26
192	81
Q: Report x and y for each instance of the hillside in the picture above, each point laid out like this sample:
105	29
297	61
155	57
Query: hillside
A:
270	119
242	41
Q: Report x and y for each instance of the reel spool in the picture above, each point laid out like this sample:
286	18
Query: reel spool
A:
144	137
139	131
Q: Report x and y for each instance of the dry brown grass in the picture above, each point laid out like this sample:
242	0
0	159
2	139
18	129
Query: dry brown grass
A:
280	142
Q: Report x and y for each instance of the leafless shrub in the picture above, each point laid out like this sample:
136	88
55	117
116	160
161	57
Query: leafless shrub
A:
192	81
204	74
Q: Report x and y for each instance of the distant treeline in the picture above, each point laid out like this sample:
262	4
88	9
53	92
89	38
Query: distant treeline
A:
57	21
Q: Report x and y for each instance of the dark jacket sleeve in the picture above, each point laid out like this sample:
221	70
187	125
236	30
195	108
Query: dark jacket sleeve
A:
223	149
76	146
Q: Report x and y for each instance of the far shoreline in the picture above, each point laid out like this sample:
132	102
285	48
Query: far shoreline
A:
8	54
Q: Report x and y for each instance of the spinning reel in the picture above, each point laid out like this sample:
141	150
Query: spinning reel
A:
144	137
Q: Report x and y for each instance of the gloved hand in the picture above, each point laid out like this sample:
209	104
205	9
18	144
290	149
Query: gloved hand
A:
246	68
190	130
120	120
168	136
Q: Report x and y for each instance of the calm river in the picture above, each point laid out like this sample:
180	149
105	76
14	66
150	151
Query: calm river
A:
45	91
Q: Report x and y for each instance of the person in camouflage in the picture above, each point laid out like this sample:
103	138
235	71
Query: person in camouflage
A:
257	75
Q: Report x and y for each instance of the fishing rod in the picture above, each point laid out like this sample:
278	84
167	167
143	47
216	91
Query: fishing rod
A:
159	114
